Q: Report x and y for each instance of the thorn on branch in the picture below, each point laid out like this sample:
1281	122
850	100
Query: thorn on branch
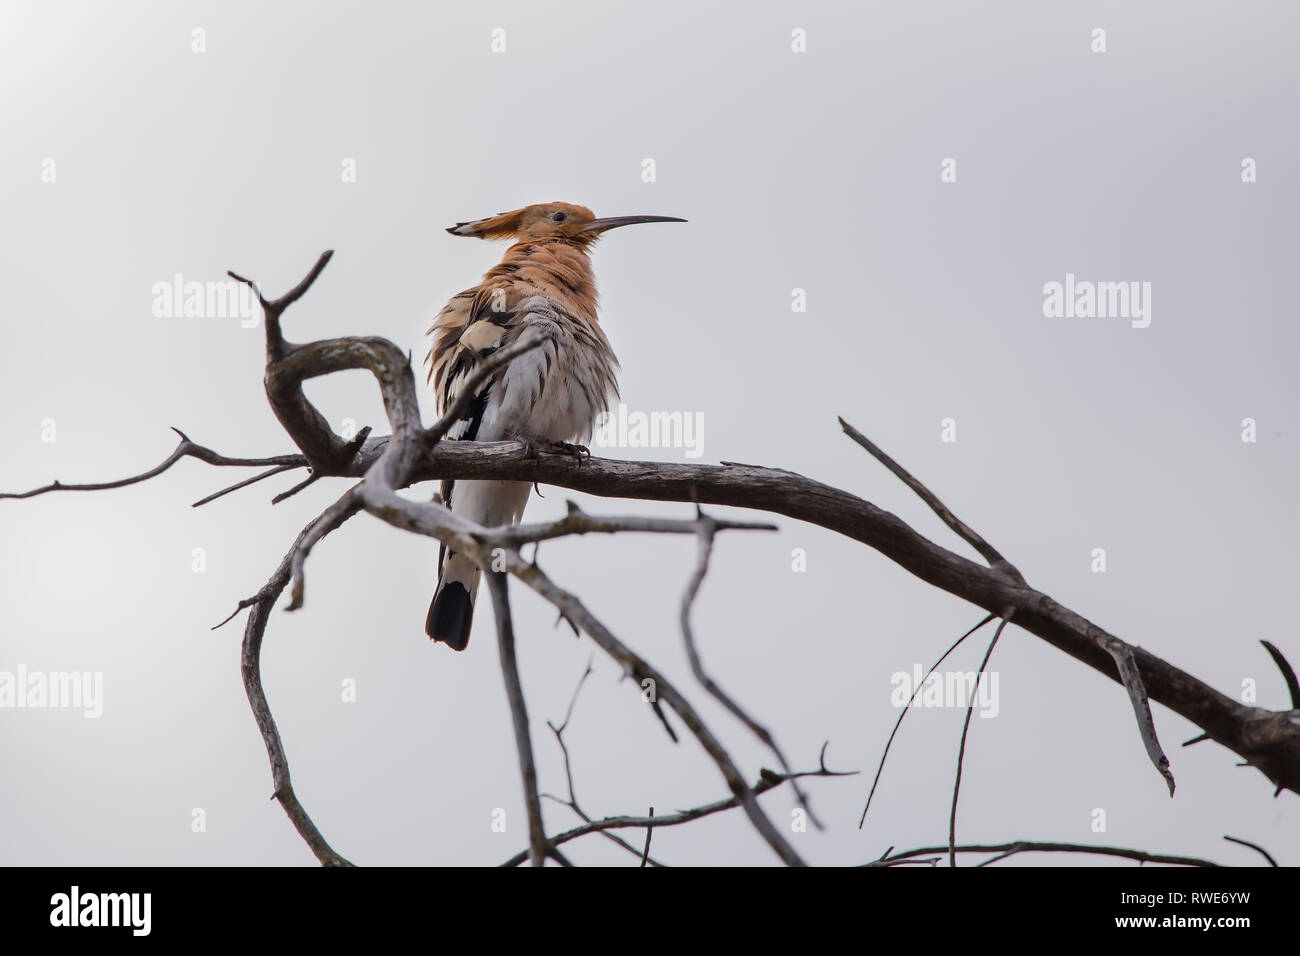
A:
663	719
245	603
305	483
649	831
1254	846
1288	673
358	440
561	616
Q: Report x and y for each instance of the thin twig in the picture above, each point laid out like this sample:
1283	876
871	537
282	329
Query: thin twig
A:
641	670
278	469
331	518
1030	846
251	668
1254	846
965	729
649	831
767	780
300	486
903	713
1288	673
707	528
272	309
1137	692
572	801
963	530
185	449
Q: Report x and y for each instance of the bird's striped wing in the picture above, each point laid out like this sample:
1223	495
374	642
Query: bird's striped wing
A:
472	326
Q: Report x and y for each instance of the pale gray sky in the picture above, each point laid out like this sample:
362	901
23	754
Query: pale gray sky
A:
816	170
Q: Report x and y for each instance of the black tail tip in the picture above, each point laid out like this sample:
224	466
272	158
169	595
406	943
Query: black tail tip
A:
450	616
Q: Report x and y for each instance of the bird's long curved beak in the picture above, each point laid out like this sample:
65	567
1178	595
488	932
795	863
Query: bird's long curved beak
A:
613	222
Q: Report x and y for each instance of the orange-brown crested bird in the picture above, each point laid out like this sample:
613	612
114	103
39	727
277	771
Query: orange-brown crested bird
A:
550	395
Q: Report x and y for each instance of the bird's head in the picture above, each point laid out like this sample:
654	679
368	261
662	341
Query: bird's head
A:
551	220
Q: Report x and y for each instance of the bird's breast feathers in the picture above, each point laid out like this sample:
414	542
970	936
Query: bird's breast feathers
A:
553	392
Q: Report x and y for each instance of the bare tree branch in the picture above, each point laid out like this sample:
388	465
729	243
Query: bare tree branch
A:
1030	846
767	780
706	529
642	671
287	367
1120	652
277	348
572	801
278	469
251	668
377	494
538	844
330	519
1267	740
963	530
300	486
186	449
1132	678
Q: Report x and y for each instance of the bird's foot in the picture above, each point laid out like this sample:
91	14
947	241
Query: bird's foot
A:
533	447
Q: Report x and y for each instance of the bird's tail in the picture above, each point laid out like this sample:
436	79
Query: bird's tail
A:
451	612
491	504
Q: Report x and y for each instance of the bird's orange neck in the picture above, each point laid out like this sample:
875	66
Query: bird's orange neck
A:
558	269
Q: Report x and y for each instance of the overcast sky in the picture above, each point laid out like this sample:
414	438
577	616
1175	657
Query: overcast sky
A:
131	157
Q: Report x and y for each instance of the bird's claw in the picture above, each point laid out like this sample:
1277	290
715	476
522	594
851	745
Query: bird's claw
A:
580	452
533	447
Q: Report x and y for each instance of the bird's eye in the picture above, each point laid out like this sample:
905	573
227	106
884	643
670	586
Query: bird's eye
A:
559	217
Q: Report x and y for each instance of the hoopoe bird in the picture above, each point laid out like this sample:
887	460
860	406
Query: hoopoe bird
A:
549	396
